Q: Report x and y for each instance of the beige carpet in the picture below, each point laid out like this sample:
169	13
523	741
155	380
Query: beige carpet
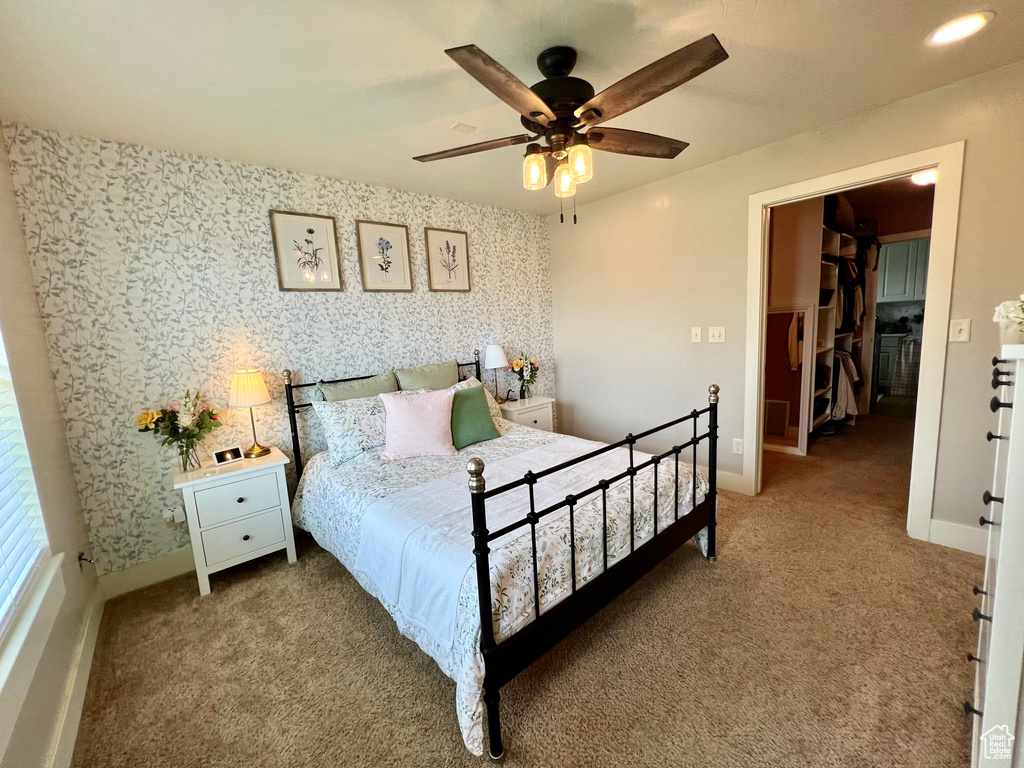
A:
823	636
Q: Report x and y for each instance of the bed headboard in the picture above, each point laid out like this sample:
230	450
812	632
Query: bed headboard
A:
294	408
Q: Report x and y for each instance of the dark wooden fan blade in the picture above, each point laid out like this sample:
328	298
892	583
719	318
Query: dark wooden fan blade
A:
636	143
502	83
469	149
653	80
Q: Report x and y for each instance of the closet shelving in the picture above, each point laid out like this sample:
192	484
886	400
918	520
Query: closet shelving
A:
826	328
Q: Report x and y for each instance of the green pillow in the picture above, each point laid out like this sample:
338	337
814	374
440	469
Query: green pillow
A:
471	418
439	376
353	390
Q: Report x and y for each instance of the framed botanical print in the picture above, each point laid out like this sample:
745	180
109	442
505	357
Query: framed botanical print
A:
306	248
447	259
384	256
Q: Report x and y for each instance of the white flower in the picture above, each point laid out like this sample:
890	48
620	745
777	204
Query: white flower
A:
1010	311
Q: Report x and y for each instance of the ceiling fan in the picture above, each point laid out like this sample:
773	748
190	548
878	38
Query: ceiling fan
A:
559	108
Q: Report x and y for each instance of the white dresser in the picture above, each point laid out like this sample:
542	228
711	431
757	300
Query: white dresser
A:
237	512
999	656
536	412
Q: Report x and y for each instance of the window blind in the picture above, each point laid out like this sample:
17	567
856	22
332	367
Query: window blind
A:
22	535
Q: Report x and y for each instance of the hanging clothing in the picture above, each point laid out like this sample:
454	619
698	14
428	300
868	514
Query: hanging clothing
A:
844	395
796	349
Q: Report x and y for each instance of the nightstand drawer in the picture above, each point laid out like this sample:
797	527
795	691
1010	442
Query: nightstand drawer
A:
243	497
539	418
243	536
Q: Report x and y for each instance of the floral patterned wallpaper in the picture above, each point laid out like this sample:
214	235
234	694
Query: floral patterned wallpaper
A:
155	272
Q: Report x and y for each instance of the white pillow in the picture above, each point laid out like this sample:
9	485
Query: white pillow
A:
351	426
418	424
492	404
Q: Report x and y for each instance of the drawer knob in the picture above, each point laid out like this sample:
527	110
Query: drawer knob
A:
534	421
983	521
246	537
988	498
979	616
972	657
978	591
240	499
970	710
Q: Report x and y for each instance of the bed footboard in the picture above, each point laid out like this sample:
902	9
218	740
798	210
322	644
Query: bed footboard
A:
503	661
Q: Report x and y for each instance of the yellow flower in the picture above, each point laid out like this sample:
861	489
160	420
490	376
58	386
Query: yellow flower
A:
517	364
145	419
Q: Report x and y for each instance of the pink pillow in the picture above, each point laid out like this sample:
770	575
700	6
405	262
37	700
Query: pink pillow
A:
418	425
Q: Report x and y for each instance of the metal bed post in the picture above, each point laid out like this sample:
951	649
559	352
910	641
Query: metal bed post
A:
492	691
712	467
290	397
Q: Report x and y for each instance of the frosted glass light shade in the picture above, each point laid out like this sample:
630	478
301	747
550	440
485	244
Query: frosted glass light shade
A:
581	163
564	185
494	357
248	390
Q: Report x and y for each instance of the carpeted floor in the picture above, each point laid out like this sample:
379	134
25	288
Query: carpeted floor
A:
823	636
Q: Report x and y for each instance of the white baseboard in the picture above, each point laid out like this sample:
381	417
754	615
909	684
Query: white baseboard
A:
144	574
969	538
62	746
735	482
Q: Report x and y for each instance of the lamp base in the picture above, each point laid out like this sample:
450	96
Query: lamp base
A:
256	451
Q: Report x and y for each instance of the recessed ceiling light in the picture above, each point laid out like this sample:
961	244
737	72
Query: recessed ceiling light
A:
924	178
958	29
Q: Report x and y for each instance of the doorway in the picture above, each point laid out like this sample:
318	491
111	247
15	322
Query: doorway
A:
947	161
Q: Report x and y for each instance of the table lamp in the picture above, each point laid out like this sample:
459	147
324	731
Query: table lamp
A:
494	358
248	390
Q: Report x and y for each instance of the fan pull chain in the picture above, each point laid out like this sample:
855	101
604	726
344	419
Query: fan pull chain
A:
561	212
574	209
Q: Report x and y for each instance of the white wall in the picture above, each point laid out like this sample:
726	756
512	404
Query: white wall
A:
33	380
642	267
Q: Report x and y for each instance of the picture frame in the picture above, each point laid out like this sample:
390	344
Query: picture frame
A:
306	250
383	256
447	259
227	455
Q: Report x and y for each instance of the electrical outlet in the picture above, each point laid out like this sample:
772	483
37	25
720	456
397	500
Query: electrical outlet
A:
174	514
716	334
695	334
960	331
737	445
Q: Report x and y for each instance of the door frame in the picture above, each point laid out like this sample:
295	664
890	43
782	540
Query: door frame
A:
948	161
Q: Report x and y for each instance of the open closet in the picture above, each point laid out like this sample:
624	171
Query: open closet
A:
819	346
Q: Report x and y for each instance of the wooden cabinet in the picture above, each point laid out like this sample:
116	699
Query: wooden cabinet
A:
903	270
536	412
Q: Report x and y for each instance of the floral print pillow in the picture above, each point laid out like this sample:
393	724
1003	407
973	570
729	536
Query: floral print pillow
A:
492	404
351	426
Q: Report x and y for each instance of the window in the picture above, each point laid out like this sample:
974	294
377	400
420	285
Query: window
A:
23	542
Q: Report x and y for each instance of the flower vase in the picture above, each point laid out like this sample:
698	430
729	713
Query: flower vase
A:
524	392
1011	332
187	454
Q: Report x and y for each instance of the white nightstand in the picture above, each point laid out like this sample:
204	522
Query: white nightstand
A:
536	412
236	512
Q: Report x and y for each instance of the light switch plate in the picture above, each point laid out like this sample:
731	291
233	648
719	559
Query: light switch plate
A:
960	331
716	334
695	334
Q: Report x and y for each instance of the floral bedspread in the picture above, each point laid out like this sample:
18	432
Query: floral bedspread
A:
332	501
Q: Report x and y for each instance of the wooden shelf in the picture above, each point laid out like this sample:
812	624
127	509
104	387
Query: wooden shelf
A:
829	348
820	420
822	391
844	335
828	306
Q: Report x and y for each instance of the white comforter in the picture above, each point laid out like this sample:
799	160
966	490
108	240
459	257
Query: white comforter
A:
403	529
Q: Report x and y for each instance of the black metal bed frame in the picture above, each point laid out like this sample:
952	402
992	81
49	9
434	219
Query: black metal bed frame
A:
506	659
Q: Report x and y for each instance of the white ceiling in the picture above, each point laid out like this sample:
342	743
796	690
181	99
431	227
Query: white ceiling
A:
355	88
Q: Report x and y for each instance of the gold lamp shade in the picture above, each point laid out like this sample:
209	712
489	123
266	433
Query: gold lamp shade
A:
249	390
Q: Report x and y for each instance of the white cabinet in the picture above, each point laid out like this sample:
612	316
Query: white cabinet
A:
903	270
236	512
536	412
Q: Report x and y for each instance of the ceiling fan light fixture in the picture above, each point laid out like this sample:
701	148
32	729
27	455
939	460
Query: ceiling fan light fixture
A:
581	162
958	29
535	168
564	185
